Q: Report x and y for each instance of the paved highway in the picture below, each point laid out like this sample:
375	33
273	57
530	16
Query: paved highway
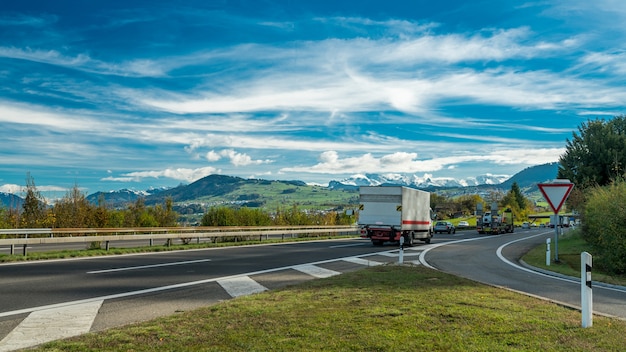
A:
495	260
44	301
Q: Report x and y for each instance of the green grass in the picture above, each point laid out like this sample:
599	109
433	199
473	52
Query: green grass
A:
570	245
385	308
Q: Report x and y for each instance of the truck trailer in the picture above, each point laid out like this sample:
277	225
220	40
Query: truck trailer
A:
493	222
388	213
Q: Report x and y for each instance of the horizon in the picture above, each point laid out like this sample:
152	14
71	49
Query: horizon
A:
140	95
54	195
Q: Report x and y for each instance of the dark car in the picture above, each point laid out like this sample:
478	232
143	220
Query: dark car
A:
444	226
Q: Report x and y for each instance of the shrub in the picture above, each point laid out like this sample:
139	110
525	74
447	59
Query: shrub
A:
604	226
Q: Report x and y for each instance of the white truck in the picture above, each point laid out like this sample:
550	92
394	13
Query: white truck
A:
388	213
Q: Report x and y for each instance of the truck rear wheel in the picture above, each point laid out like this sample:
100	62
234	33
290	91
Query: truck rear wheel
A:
408	239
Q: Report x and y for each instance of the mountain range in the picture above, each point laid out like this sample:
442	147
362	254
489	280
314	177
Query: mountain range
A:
216	189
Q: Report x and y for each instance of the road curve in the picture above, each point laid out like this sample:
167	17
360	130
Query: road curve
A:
495	260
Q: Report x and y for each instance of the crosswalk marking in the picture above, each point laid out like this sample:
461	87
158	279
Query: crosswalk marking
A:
361	261
51	324
241	286
316	271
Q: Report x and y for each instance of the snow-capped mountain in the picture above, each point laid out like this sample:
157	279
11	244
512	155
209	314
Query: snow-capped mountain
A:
425	181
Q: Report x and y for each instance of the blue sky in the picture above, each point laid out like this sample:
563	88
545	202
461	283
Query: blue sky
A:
137	94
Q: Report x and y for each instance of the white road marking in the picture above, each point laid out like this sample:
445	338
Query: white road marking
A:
241	286
350	245
433	246
147	266
387	254
316	271
51	324
63	320
361	261
572	280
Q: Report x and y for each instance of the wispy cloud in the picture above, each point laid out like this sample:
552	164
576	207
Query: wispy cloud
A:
161	93
402	162
182	174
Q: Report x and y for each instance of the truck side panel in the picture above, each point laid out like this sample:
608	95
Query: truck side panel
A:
415	210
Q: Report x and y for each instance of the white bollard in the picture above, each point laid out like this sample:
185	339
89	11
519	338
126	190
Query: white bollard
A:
548	251
401	256
586	292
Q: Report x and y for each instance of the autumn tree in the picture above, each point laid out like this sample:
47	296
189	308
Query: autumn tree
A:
34	206
74	210
165	216
102	216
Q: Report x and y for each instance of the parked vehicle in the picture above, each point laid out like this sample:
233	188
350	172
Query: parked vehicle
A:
394	212
444	227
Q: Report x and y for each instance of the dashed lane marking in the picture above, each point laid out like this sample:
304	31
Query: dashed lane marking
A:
148	266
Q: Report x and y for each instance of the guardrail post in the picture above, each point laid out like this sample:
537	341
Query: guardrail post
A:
106	245
12	249
24	251
151	242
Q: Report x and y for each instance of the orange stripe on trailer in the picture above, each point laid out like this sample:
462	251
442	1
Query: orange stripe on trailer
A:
415	222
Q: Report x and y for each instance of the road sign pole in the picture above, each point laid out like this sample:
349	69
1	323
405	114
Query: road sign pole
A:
556	192
556	241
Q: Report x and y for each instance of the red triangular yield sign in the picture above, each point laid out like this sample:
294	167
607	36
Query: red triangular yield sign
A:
556	193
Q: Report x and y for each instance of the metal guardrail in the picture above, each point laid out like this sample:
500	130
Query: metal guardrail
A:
27	237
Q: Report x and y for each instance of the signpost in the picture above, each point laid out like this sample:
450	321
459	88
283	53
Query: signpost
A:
556	192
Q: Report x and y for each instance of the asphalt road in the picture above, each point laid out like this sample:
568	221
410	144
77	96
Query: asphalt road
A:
495	260
43	301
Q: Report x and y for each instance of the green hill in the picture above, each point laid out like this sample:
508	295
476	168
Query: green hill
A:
236	191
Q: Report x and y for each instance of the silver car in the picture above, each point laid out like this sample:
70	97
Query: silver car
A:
444	226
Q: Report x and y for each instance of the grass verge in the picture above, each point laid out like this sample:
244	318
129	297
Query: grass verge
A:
384	308
571	245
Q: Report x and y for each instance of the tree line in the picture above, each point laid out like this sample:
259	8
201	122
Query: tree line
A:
75	211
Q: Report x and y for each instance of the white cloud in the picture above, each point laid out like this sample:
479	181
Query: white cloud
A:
402	162
17	189
182	174
213	156
11	188
237	159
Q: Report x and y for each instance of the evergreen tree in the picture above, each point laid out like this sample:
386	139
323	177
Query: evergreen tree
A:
596	155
